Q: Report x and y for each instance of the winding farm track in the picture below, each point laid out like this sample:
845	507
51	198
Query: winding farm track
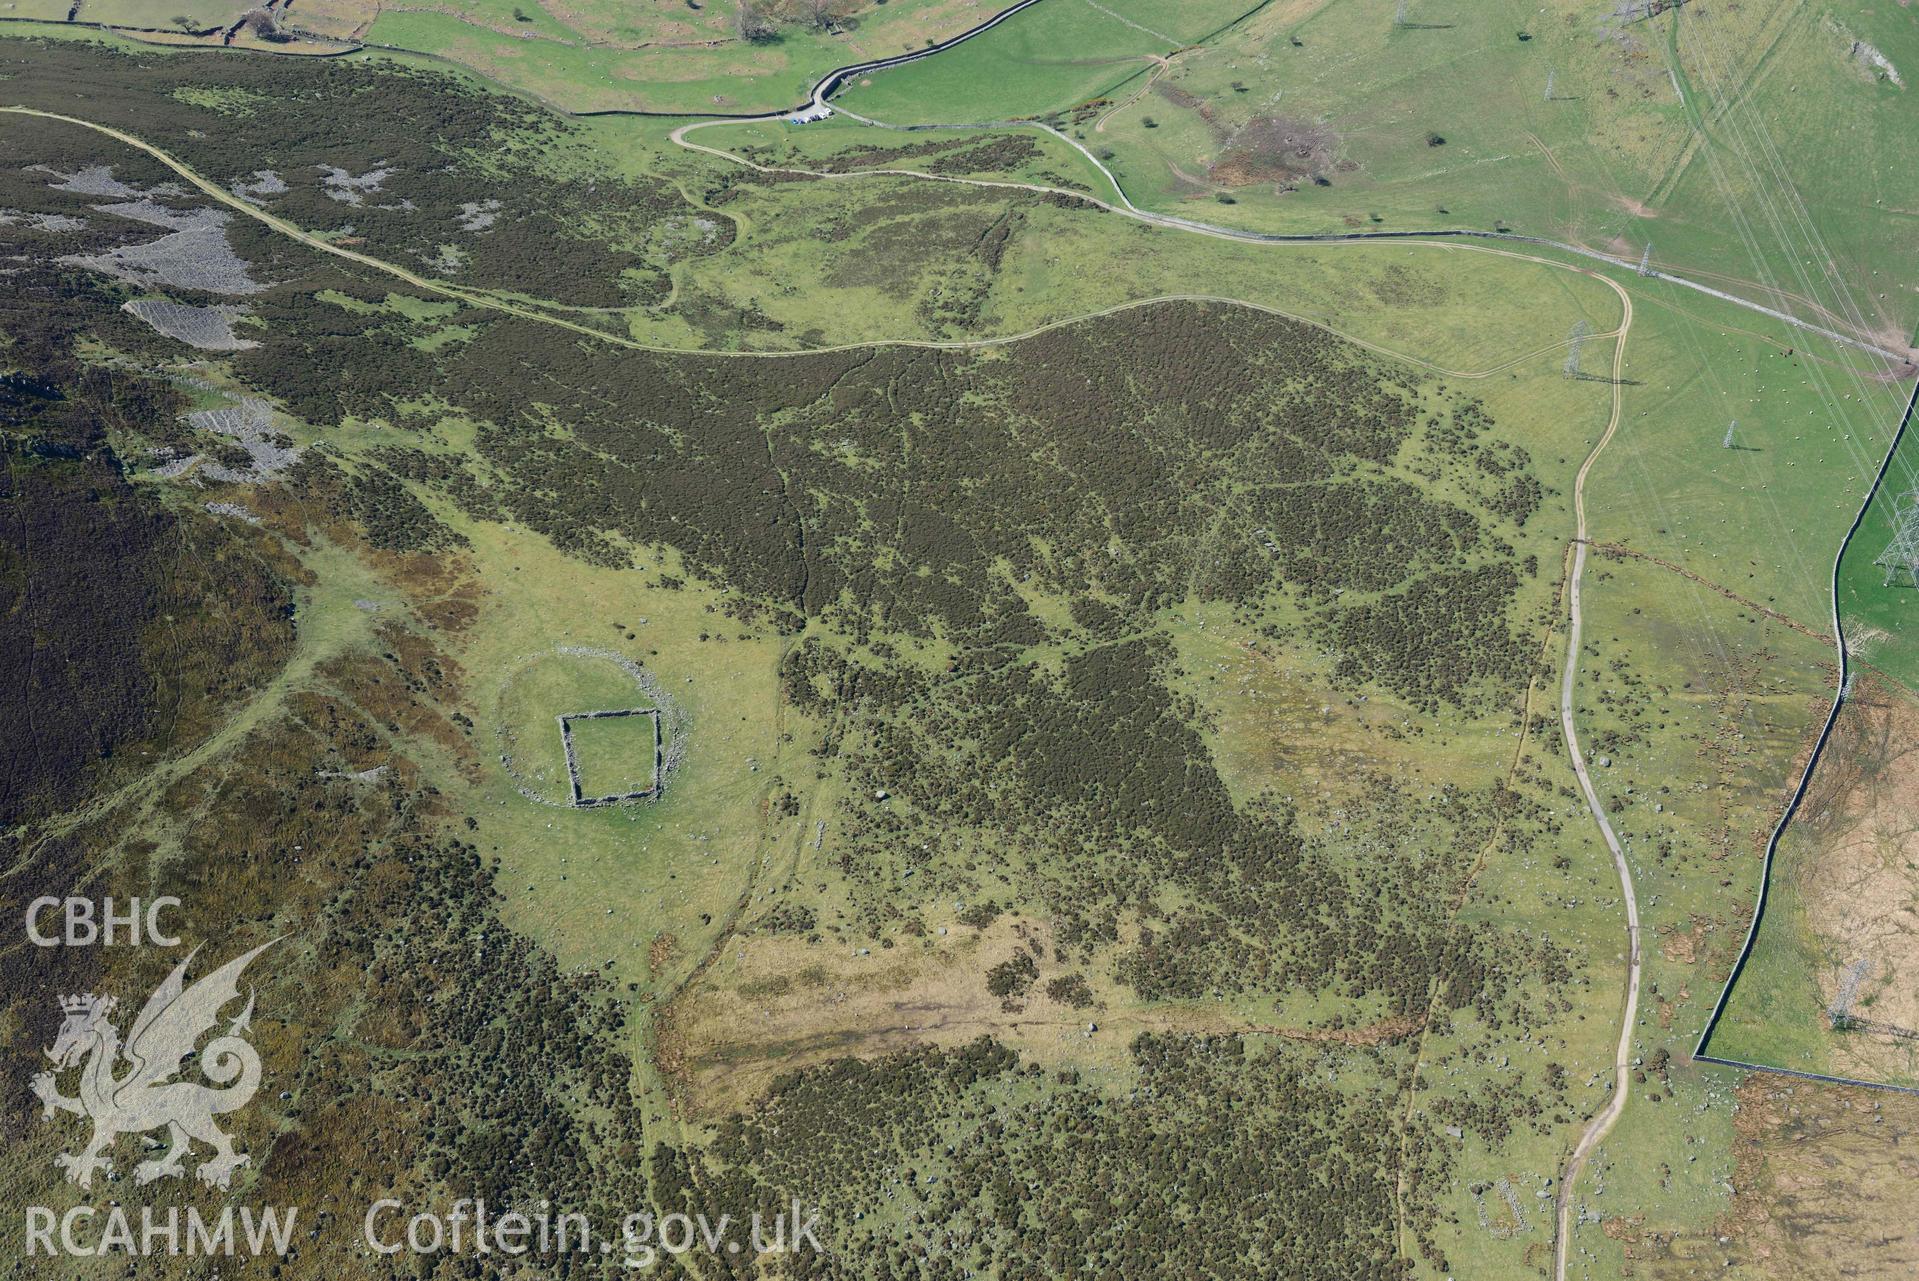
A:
491	302
1603	1121
1445	237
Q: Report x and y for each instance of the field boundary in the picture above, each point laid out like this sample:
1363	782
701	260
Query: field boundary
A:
1799	792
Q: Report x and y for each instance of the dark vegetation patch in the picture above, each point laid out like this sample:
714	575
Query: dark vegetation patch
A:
447	144
1070	989
880	489
788	918
1230	1160
125	627
388	514
1275	149
1094	793
414	1046
368	357
1013	978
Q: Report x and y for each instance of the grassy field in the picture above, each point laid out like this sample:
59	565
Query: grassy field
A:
1691	709
659	57
1049	58
1880	604
36	10
1685	134
200	14
547	686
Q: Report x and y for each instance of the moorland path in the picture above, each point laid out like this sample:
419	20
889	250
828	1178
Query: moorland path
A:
1603	1121
491	302
1459	238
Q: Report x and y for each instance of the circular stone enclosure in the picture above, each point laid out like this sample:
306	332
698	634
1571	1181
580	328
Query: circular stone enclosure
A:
616	759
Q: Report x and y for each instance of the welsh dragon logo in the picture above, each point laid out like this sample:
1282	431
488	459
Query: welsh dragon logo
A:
143	1096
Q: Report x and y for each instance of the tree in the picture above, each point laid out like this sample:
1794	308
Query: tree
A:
754	26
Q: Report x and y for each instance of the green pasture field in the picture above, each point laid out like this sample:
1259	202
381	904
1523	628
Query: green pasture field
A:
1776	1013
202	14
38	10
1763	517
549	685
602	57
1881	609
521	20
1185	21
1383	93
1737	182
1049	58
577	78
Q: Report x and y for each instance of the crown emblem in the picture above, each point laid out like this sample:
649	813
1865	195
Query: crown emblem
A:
144	1095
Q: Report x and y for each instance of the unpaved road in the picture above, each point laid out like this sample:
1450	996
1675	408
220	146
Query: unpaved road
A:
1603	1121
